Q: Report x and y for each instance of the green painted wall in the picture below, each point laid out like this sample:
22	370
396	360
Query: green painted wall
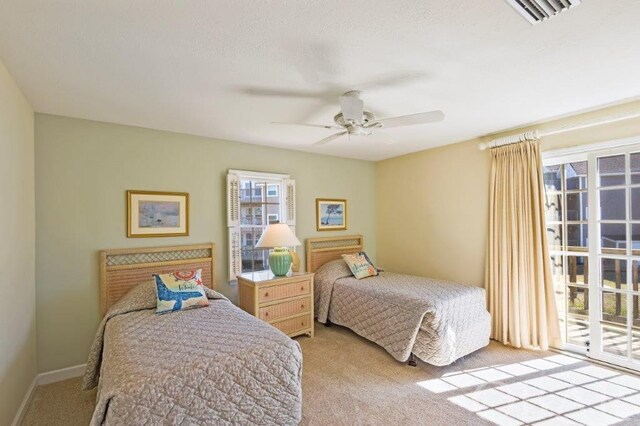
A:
83	169
17	248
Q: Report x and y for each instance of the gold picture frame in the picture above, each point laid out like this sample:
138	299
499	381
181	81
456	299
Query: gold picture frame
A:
157	214
331	214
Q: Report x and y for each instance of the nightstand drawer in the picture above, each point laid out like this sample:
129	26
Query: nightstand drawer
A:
293	325
285	309
284	291
284	302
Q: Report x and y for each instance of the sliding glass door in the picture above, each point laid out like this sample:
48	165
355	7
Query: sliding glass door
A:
567	231
593	225
615	177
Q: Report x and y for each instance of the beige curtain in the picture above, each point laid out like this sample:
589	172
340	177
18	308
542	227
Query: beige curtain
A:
518	274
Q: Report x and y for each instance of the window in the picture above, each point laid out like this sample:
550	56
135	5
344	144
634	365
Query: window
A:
272	191
254	208
247	239
254	201
273	218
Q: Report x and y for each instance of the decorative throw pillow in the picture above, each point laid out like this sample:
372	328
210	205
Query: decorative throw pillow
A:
180	290
360	265
369	260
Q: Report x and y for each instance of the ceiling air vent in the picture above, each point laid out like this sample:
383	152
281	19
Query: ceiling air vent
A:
536	11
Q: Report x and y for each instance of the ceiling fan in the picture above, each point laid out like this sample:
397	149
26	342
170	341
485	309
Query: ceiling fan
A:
353	119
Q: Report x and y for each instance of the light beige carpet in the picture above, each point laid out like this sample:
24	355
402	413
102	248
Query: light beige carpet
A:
348	380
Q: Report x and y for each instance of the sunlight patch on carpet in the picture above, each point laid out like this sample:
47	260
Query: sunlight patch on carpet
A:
589	395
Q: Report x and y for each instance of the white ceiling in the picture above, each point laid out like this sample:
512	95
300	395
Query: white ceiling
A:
190	66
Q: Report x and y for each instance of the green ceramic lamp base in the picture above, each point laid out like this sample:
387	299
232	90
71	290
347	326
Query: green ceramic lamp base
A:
280	261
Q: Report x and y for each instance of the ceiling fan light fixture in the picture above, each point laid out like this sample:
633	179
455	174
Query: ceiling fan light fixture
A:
365	119
352	106
354	120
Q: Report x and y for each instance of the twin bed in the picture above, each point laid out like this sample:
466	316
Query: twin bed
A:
220	365
211	365
437	321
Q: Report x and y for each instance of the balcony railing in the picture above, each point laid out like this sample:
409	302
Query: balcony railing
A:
613	312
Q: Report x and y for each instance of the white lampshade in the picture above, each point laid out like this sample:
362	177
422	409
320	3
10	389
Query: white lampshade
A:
278	235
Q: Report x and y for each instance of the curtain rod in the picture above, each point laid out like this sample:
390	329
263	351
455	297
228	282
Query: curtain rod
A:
535	134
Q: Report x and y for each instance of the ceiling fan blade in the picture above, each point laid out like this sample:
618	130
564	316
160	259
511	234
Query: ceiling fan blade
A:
330	138
412	119
390	80
321	126
352	108
315	61
282	93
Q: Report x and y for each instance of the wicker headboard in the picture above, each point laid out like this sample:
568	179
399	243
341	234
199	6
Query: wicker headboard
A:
122	269
323	250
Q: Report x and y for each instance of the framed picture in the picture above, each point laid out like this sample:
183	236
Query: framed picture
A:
331	215
157	214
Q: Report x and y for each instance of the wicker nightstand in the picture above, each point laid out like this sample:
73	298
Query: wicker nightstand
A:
284	302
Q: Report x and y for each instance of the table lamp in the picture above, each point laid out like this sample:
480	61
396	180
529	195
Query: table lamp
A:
278	236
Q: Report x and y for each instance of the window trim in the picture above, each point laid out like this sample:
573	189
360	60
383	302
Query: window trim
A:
581	152
248	174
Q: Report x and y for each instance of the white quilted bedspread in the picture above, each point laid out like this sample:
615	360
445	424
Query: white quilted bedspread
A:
438	321
214	365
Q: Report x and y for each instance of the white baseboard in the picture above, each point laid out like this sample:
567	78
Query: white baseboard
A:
45	379
25	403
60	375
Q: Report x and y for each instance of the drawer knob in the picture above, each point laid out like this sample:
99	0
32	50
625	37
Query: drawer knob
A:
266	294
302	288
302	306
266	314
